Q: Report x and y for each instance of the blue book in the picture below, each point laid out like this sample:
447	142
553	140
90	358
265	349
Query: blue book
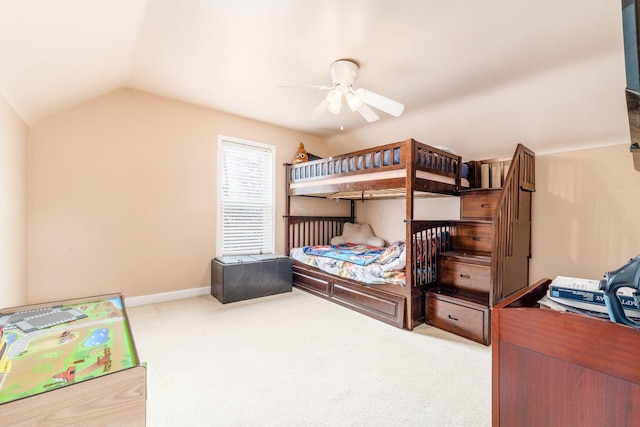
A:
585	294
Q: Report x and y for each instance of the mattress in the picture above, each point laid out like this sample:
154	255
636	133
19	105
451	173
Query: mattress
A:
388	268
373	176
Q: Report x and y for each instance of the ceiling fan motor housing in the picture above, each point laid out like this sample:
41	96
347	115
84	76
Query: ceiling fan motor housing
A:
344	72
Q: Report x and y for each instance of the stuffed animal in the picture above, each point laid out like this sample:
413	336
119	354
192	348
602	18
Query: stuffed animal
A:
301	155
360	234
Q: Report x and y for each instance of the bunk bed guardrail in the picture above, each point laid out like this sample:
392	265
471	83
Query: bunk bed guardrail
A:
428	239
379	159
313	230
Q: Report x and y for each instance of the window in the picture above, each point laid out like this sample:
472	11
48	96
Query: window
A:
246	209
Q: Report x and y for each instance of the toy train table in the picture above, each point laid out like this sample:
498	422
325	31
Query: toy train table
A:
70	363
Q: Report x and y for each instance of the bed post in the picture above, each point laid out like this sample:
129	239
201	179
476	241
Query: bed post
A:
411	171
287	209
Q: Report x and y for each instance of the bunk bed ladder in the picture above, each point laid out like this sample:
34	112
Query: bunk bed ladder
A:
512	226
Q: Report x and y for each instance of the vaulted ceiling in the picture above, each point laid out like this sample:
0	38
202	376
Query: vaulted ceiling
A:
235	55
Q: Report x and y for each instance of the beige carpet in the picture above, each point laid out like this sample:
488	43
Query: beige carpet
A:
296	360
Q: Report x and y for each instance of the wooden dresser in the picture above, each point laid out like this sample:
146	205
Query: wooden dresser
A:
553	368
489	252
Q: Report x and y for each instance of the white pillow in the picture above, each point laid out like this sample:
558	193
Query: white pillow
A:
360	234
399	262
392	252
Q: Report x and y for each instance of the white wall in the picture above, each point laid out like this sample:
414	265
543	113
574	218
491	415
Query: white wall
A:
387	216
585	212
13	208
122	194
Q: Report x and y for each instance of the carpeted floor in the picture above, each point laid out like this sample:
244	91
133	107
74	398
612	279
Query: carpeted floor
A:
296	360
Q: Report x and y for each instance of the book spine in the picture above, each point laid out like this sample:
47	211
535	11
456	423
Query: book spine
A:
590	297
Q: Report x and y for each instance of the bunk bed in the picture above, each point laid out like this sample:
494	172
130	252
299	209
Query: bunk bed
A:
406	169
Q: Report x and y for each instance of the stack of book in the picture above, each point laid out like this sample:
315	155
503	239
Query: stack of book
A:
584	296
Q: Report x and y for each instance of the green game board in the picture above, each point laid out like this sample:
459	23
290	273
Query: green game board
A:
56	346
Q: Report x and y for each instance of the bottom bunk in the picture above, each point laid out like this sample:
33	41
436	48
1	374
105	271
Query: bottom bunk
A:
399	302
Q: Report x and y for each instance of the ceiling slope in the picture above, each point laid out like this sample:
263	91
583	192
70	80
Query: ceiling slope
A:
234	56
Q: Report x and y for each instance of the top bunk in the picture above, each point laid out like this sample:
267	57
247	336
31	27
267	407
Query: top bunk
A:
386	171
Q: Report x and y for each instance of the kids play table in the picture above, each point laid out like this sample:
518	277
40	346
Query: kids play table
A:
70	362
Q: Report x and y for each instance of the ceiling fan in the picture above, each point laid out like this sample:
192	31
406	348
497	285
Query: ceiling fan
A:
343	75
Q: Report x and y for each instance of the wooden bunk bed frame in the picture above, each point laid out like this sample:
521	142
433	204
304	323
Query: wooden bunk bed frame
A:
406	169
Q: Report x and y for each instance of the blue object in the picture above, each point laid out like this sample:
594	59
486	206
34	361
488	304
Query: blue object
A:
98	337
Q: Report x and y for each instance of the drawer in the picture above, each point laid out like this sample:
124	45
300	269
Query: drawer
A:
377	306
463	320
465	276
469	237
479	204
310	283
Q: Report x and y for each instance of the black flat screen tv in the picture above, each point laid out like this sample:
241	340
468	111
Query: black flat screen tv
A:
630	23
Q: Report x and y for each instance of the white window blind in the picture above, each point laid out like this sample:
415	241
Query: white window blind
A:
245	197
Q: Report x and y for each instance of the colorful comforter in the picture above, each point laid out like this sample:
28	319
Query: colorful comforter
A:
367	264
357	254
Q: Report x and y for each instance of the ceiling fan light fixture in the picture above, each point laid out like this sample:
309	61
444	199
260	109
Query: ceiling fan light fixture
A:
344	73
335	108
334	101
354	101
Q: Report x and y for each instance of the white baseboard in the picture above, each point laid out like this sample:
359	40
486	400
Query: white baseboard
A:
166	296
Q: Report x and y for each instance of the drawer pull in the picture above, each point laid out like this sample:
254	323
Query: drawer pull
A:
485	205
476	238
465	276
453	318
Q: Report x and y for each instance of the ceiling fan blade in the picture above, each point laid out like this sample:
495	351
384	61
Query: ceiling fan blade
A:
382	103
320	87
320	109
368	114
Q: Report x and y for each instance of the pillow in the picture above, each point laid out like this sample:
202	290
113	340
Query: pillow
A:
392	252
395	262
359	234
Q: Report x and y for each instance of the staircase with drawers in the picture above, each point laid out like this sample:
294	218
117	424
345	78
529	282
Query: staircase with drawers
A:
489	251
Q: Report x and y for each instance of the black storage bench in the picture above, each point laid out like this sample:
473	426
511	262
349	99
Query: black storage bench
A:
242	277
